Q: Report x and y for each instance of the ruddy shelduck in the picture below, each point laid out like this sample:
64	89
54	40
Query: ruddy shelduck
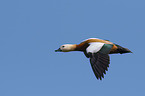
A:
98	51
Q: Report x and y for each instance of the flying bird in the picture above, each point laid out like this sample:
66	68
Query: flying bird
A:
98	51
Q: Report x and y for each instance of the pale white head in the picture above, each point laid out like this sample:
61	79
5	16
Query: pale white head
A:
66	48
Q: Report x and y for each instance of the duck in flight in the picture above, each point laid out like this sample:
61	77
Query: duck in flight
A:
98	51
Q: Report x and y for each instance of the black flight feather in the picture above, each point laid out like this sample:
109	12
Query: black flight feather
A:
100	63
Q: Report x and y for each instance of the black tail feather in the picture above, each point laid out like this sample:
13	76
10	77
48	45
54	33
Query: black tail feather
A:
122	50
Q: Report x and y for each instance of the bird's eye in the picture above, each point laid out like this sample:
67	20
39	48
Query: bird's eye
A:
63	46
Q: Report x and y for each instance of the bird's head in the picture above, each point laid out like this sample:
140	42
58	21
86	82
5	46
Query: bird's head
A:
66	48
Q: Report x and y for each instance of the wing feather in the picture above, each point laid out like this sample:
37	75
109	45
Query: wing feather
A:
100	63
99	58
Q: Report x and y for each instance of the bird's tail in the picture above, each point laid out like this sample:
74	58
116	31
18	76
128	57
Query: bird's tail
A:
122	50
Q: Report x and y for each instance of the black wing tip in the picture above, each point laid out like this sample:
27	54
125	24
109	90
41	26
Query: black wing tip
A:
100	77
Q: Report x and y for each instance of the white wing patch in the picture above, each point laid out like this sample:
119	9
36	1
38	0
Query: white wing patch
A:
94	47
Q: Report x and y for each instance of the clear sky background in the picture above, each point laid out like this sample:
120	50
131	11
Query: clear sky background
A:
30	31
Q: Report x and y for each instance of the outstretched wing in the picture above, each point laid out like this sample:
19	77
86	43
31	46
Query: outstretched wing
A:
100	63
99	58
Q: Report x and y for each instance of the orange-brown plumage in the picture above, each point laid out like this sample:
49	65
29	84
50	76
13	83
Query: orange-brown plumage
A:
83	45
97	50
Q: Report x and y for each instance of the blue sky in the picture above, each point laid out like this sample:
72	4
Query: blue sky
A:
30	31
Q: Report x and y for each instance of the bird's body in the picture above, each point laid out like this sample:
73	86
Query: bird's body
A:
97	50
